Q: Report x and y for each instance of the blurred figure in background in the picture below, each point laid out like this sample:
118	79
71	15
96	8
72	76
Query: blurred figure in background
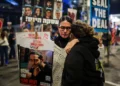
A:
4	48
12	43
106	38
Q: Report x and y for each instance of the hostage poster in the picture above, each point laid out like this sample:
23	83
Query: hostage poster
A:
35	53
35	13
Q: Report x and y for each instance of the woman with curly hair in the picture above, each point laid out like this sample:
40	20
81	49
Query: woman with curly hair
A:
82	66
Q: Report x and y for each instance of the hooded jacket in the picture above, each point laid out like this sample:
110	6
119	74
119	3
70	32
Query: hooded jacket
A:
82	67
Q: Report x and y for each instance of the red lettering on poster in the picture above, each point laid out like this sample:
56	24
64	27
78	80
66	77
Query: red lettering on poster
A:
45	36
33	36
33	82
24	81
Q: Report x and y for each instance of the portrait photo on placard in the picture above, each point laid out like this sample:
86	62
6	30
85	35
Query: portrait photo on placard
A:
38	12
27	11
72	13
27	2
58	5
39	3
48	13
49	3
57	14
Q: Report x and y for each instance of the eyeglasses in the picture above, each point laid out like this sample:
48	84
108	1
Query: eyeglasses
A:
63	28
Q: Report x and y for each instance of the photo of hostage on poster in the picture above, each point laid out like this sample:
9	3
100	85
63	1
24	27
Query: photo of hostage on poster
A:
58	5
39	3
57	10
48	3
72	13
38	12
27	11
35	58
48	13
27	2
57	14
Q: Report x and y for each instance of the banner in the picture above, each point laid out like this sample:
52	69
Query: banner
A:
99	17
35	57
1	23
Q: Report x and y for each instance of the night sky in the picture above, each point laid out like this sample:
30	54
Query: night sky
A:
115	7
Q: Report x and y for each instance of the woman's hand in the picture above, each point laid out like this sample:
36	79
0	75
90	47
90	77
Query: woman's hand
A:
70	45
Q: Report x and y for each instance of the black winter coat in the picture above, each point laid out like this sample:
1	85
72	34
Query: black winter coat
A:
82	67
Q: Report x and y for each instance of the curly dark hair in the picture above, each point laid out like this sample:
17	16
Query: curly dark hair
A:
81	29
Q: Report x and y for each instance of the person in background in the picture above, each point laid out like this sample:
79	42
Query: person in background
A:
12	42
8	28
82	66
101	50
106	38
4	48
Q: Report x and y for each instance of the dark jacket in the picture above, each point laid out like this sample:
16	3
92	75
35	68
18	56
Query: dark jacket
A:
106	38
61	42
82	67
45	75
11	40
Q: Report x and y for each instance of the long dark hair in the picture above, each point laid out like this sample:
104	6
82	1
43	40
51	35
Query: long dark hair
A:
3	34
67	18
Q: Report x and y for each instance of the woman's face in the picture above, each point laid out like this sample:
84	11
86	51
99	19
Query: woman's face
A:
64	29
37	11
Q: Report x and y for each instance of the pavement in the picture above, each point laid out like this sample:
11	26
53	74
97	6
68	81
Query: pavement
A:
9	75
112	73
